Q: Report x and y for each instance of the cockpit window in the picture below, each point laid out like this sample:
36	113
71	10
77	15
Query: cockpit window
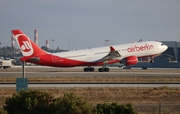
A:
162	44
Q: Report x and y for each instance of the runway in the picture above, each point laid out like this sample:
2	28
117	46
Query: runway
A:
77	72
70	74
58	72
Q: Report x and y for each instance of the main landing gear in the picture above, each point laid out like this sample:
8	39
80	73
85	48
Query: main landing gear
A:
89	69
92	69
103	69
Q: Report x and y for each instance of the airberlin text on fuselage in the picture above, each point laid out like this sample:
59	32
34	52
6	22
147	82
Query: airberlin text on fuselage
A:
140	48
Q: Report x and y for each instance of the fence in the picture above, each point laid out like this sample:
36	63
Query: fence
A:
157	108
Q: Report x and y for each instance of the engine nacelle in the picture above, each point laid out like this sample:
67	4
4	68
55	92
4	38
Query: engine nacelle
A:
131	60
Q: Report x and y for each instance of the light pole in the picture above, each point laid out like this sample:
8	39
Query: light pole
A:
107	42
53	44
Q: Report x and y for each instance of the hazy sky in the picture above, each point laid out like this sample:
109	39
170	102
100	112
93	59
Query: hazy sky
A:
88	23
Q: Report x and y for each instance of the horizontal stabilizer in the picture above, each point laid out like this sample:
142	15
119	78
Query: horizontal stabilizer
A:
30	59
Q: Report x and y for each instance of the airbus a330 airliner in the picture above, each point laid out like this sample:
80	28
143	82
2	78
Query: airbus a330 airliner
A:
127	54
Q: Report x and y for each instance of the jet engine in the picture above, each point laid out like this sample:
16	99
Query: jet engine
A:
131	60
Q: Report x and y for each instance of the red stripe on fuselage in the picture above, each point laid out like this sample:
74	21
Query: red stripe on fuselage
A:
52	60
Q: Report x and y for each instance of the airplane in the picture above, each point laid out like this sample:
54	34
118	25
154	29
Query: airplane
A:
126	54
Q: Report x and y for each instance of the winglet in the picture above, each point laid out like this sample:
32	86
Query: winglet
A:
112	48
113	54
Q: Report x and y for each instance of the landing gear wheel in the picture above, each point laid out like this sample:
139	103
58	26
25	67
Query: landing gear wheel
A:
152	61
5	67
100	70
106	69
103	69
89	69
86	69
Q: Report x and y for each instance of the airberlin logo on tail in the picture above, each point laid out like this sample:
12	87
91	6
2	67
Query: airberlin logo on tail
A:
140	48
24	44
26	47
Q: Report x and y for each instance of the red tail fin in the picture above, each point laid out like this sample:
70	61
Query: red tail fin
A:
26	45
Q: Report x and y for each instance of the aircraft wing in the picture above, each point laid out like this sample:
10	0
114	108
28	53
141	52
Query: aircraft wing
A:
111	55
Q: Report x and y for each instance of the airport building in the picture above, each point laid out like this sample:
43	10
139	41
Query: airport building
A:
173	50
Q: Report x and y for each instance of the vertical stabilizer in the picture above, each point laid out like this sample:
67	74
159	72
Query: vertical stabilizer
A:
26	45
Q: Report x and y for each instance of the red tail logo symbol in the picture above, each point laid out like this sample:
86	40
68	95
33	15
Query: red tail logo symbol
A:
24	44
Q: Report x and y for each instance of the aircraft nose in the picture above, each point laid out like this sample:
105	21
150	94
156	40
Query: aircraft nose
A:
165	47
